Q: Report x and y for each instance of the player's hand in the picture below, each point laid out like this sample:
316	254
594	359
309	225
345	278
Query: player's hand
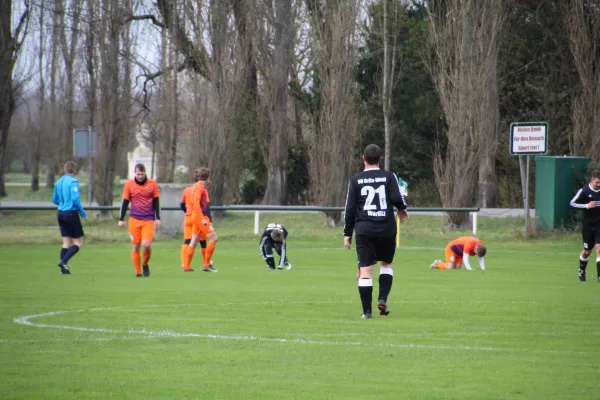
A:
403	215
85	219
591	204
347	242
121	224
157	224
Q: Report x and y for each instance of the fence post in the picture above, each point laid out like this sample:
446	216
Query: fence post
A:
256	222
475	223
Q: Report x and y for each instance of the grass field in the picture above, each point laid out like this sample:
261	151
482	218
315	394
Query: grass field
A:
524	329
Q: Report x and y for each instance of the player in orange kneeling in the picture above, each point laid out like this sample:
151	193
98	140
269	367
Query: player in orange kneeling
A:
201	219
459	250
143	194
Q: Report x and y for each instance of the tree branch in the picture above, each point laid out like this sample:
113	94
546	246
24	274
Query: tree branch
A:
22	27
150	17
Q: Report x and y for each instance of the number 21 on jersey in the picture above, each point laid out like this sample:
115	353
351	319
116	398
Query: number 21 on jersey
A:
370	192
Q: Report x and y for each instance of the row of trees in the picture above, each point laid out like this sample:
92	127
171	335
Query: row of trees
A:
278	97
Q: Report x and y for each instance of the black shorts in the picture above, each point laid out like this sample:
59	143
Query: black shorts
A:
371	249
591	237
69	224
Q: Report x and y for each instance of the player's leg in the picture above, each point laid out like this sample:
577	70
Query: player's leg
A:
450	258
187	238
67	242
270	258
191	248
588	242
597	247
203	245
135	232
147	238
211	238
367	257
76	238
386	249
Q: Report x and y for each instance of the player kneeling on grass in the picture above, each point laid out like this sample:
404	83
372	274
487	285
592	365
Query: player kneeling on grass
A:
274	237
459	250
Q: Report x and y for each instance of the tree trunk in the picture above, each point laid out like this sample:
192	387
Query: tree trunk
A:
276	191
9	50
38	133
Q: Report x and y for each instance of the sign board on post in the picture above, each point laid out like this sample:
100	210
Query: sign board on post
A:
528	138
81	144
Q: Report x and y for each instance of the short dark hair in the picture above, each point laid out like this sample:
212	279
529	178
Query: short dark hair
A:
202	173
481	250
596	174
70	167
140	166
372	154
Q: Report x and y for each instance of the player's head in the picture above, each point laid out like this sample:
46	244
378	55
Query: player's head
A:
140	172
202	173
70	167
372	154
277	235
595	180
481	250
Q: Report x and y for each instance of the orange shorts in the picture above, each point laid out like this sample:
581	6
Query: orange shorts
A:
140	230
188	229
452	257
203	229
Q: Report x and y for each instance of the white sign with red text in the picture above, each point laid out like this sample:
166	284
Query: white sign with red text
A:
527	138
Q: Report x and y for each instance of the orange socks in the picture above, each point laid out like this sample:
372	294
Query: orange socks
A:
137	264
440	265
190	255
147	255
208	253
184	254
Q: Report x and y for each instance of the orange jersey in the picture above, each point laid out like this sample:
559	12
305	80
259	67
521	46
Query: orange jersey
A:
204	199
464	245
199	196
188	198
141	197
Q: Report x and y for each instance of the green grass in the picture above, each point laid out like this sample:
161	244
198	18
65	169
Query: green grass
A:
524	329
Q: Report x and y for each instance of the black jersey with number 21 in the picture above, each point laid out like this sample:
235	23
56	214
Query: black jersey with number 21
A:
372	196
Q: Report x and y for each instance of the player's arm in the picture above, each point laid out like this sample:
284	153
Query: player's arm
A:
75	198
481	264
282	253
350	212
182	203
55	198
285	232
466	261
156	206
578	201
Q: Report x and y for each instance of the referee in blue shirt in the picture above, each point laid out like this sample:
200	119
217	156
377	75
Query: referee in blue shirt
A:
66	197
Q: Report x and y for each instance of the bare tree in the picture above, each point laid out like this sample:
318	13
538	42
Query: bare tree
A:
10	46
69	20
333	146
275	132
391	76
582	19
462	57
39	131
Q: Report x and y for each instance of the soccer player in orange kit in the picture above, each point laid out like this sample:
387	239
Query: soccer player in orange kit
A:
201	220
458	252
144	216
